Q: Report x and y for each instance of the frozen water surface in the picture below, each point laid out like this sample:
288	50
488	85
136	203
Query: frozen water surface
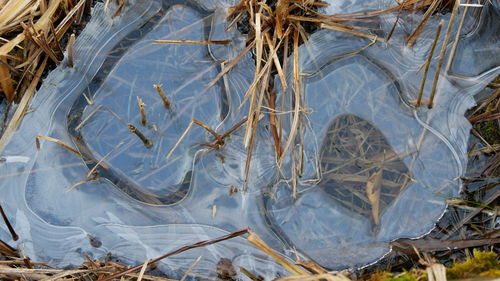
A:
361	126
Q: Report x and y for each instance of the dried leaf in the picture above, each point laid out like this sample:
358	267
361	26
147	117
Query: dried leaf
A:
373	189
6	80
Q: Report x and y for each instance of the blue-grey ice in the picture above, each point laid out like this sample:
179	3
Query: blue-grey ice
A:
359	120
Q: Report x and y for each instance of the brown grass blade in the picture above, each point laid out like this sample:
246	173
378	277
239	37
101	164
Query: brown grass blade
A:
255	240
414	35
191	267
204	126
230	65
163	96
101	161
65	24
252	91
133	129
178	251
250	275
273	120
39	40
142	110
486	201
393	28
13	233
373	190
212	42
263	71
143	270
312	267
317	277
487	116
297	91
407	246
39	25
428	63
327	21
12	10
404	5
277	63
59	142
337	27
234	127
53	36
7	250
457	38
184	134
443	52
80	182
22	107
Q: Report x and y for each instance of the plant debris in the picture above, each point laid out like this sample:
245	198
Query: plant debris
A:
32	32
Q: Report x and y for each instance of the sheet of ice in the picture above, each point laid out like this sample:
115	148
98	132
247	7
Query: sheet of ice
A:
364	122
351	6
144	204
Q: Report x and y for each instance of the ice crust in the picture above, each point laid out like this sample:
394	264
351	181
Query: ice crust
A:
145	204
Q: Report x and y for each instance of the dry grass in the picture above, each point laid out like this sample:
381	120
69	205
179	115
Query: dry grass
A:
15	267
32	33
276	31
32	30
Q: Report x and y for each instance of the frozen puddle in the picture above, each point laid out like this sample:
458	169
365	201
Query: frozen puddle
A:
101	130
362	137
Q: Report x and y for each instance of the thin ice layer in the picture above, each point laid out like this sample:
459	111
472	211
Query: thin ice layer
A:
60	227
379	168
97	217
182	71
389	142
